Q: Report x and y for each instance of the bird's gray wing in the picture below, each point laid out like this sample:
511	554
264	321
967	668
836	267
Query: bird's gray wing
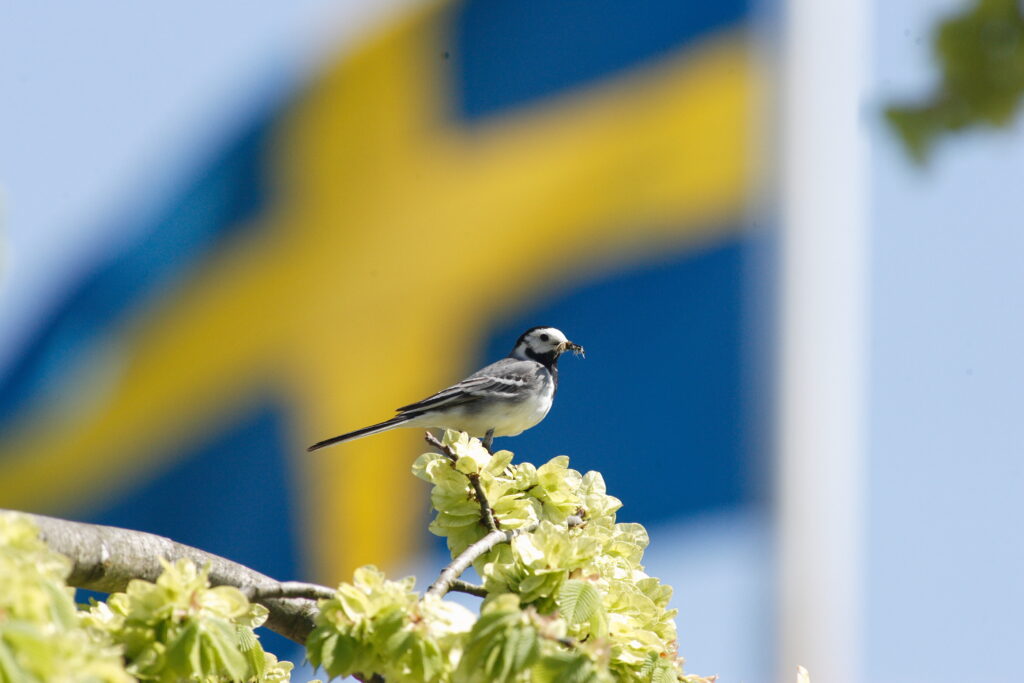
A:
507	379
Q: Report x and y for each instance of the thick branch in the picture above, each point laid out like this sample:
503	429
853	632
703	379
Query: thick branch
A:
106	558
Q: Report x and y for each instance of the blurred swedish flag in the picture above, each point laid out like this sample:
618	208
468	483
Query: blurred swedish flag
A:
477	168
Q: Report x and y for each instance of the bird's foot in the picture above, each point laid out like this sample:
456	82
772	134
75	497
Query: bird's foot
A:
488	440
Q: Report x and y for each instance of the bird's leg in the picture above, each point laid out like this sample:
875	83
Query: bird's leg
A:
488	440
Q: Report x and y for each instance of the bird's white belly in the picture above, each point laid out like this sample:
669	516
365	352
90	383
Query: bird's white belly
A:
505	418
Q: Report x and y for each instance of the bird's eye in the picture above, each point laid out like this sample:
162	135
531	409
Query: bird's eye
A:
544	337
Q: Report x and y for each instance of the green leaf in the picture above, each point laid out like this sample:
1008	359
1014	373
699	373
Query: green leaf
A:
220	650
664	672
250	647
331	650
567	667
981	55
183	651
9	669
524	649
647	668
578	601
399	643
429	662
319	642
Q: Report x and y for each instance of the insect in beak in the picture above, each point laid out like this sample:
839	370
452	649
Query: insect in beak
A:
569	346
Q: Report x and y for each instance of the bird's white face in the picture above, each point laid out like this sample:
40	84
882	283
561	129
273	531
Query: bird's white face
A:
544	341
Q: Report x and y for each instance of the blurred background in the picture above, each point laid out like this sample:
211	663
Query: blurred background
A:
232	229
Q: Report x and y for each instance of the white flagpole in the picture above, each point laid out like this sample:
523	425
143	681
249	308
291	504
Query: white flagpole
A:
823	339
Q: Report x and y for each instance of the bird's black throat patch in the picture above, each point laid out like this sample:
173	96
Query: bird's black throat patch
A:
548	360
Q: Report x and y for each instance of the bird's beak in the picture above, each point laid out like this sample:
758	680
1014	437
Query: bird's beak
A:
569	346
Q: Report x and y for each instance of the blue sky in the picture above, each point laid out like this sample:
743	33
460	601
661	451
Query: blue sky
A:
946	386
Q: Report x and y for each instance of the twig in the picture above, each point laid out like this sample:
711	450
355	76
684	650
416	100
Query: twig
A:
466	557
449	575
460	586
106	558
490	521
486	512
446	451
289	589
565	641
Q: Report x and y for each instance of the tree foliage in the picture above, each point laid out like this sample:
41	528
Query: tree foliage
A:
178	628
43	637
566	598
981	56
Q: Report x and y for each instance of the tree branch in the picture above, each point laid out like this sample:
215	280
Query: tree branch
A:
466	557
106	558
446	451
448	580
490	521
289	589
460	586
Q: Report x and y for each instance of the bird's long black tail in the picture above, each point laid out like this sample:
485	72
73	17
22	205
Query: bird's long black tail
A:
365	431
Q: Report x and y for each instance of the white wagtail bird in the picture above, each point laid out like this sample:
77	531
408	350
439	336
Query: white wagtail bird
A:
502	399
